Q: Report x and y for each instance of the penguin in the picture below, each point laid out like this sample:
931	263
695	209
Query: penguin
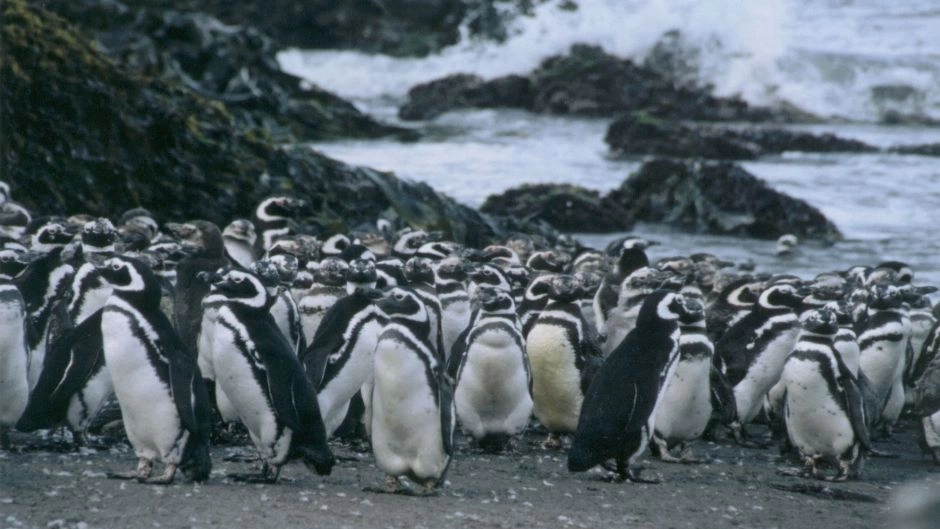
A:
926	407
882	341
733	302
339	359
163	400
501	256
450	276
620	407
534	300
521	244
630	259
787	245
590	261
262	379
329	284
438	250
283	270
240	239
493	379
272	219
202	241
563	360
14	218
389	273
74	382
751	353
14	357
413	414
548	261
408	242
488	274
686	405
420	274
334	245
621	319
822	405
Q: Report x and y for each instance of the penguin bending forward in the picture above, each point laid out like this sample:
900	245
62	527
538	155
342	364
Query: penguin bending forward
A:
163	399
618	412
260	376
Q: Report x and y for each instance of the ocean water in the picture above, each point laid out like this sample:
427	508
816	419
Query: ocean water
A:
851	61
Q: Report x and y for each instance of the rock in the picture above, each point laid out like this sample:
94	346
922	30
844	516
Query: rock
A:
230	64
589	82
927	149
82	134
641	134
432	99
717	197
565	207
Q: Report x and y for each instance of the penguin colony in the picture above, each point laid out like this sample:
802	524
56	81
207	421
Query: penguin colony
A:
405	340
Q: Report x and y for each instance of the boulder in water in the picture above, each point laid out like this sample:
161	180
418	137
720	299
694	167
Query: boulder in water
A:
565	207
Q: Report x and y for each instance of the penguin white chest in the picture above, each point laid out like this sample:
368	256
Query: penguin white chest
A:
334	397
14	386
147	406
763	373
816	424
556	381
685	406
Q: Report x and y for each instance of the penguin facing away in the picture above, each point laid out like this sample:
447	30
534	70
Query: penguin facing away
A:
494	381
259	374
412	399
164	403
619	409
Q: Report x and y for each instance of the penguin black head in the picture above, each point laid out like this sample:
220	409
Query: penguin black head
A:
334	245
361	274
787	244
549	261
617	246
492	275
51	235
566	243
590	282
521	244
916	296
266	271
501	255
631	259
564	288
408	243
98	236
590	261
287	266
357	251
437	250
496	300
690	306
781	295
884	297
539	287
903	271
200	237
241	230
139	220
12	263
243	288
663	305
132	278
419	270
823	321
643	280
332	271
452	269
279	207
403	303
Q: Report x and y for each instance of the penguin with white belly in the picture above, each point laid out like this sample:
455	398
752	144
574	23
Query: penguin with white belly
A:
493	380
164	403
14	384
260	376
619	410
413	412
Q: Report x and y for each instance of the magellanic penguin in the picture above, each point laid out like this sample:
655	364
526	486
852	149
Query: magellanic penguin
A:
534	300
164	404
883	341
413	412
563	360
14	356
620	407
339	359
621	318
329	285
74	382
630	258
450	276
822	405
494	380
272	219
752	351
926	407
277	272
686	405
239	237
420	274
259	374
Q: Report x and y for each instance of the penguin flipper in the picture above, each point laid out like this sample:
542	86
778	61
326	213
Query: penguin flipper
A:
722	395
855	404
326	341
69	363
445	391
458	352
731	348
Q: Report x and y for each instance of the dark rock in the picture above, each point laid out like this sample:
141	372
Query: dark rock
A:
717	197
83	135
230	64
457	91
641	134
927	149
589	82
565	207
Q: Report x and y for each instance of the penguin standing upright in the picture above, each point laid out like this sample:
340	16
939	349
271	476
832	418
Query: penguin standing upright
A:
259	374
493	379
420	274
272	219
329	285
686	405
883	341
240	240
164	404
450	276
618	413
534	300
621	319
563	360
412	400
822	406
630	258
753	350
339	359
14	383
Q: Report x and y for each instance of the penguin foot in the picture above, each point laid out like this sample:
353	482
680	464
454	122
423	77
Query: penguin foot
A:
393	485
164	479
873	452
253	478
633	476
552	442
144	468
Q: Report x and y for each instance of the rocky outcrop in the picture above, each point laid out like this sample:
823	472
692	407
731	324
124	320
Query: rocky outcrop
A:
641	134
565	207
82	134
588	82
926	149
233	65
717	197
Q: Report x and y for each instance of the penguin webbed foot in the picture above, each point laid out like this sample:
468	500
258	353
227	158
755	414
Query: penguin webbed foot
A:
265	476
742	439
144	469
164	479
873	452
552	442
